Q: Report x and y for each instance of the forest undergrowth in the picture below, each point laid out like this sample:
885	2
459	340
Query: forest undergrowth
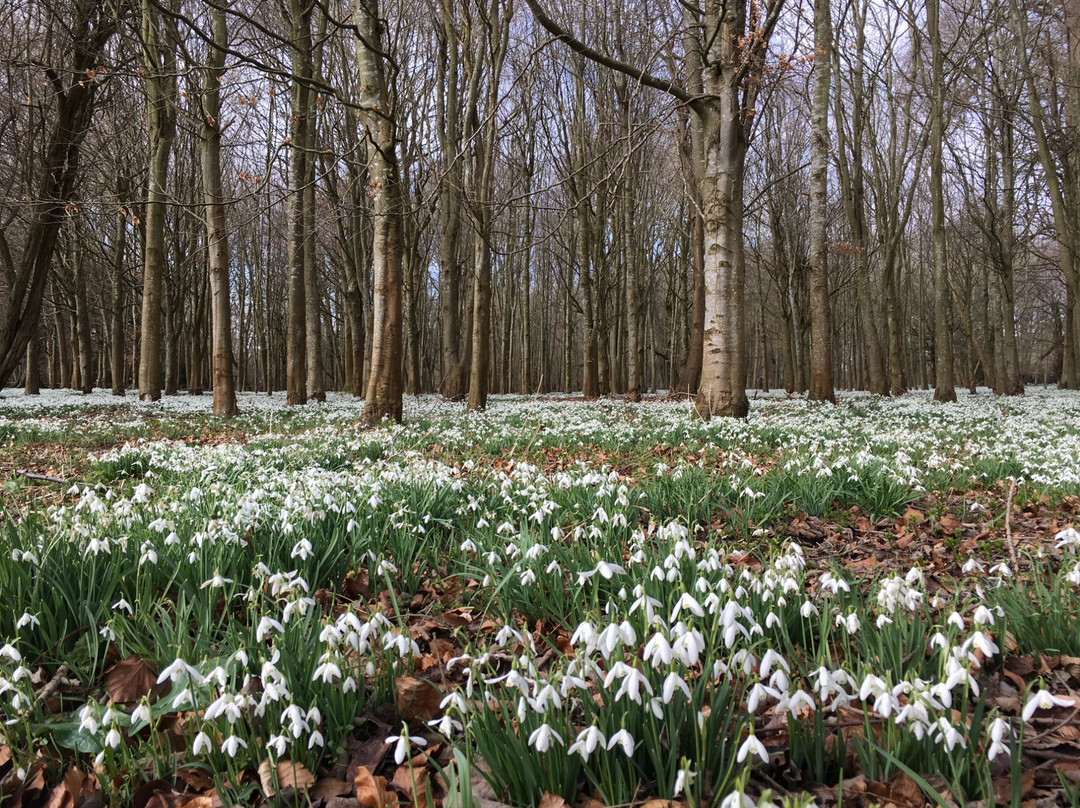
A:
554	603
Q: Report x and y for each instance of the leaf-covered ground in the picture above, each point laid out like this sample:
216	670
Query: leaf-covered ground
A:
556	601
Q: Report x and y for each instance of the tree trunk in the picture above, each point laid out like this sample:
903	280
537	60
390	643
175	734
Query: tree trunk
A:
159	53
300	49
224	383
92	26
821	378
384	389
944	385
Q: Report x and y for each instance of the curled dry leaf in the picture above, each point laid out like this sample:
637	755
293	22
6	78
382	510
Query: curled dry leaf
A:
289	774
416	699
411	782
329	787
550	800
68	791
370	790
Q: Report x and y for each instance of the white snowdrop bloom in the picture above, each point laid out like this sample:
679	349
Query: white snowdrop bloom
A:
983	616
142	493
184	697
231	745
686	601
266	625
528	578
1068	537
623	739
758	692
956	620
1043	700
216	581
882	621
587	742
850	623
302	550
738	799
871	686
542	736
141	713
28	619
808	609
177	668
796	701
202	742
328	672
672	683
949	734
278	744
752	746
770	658
984	644
89	720
683	780
1001	569
316	739
833	584
972	565
385	568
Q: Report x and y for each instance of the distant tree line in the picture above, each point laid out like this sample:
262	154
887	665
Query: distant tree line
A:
476	196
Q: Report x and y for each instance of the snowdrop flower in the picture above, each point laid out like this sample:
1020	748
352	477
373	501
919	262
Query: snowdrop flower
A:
833	584
1001	569
605	570
141	714
328	672
972	565
446	725
770	658
983	616
672	683
278	744
623	739
1068	537
541	738
175	670
202	741
956	620
217	580
302	549
266	624
683	780
28	619
949	734
808	609
999	731
402	741
587	742
231	745
686	602
1043	700
752	746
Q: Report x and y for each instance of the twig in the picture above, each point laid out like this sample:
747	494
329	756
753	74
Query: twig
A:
43	477
53	684
1008	527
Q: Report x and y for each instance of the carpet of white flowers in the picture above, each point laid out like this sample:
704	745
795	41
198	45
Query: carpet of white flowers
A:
553	600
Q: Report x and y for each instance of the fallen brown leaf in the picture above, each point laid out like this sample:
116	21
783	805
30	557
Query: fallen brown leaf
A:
130	680
416	699
1003	787
370	790
67	791
550	800
289	774
329	787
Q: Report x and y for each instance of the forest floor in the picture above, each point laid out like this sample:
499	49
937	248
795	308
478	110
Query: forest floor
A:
556	602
